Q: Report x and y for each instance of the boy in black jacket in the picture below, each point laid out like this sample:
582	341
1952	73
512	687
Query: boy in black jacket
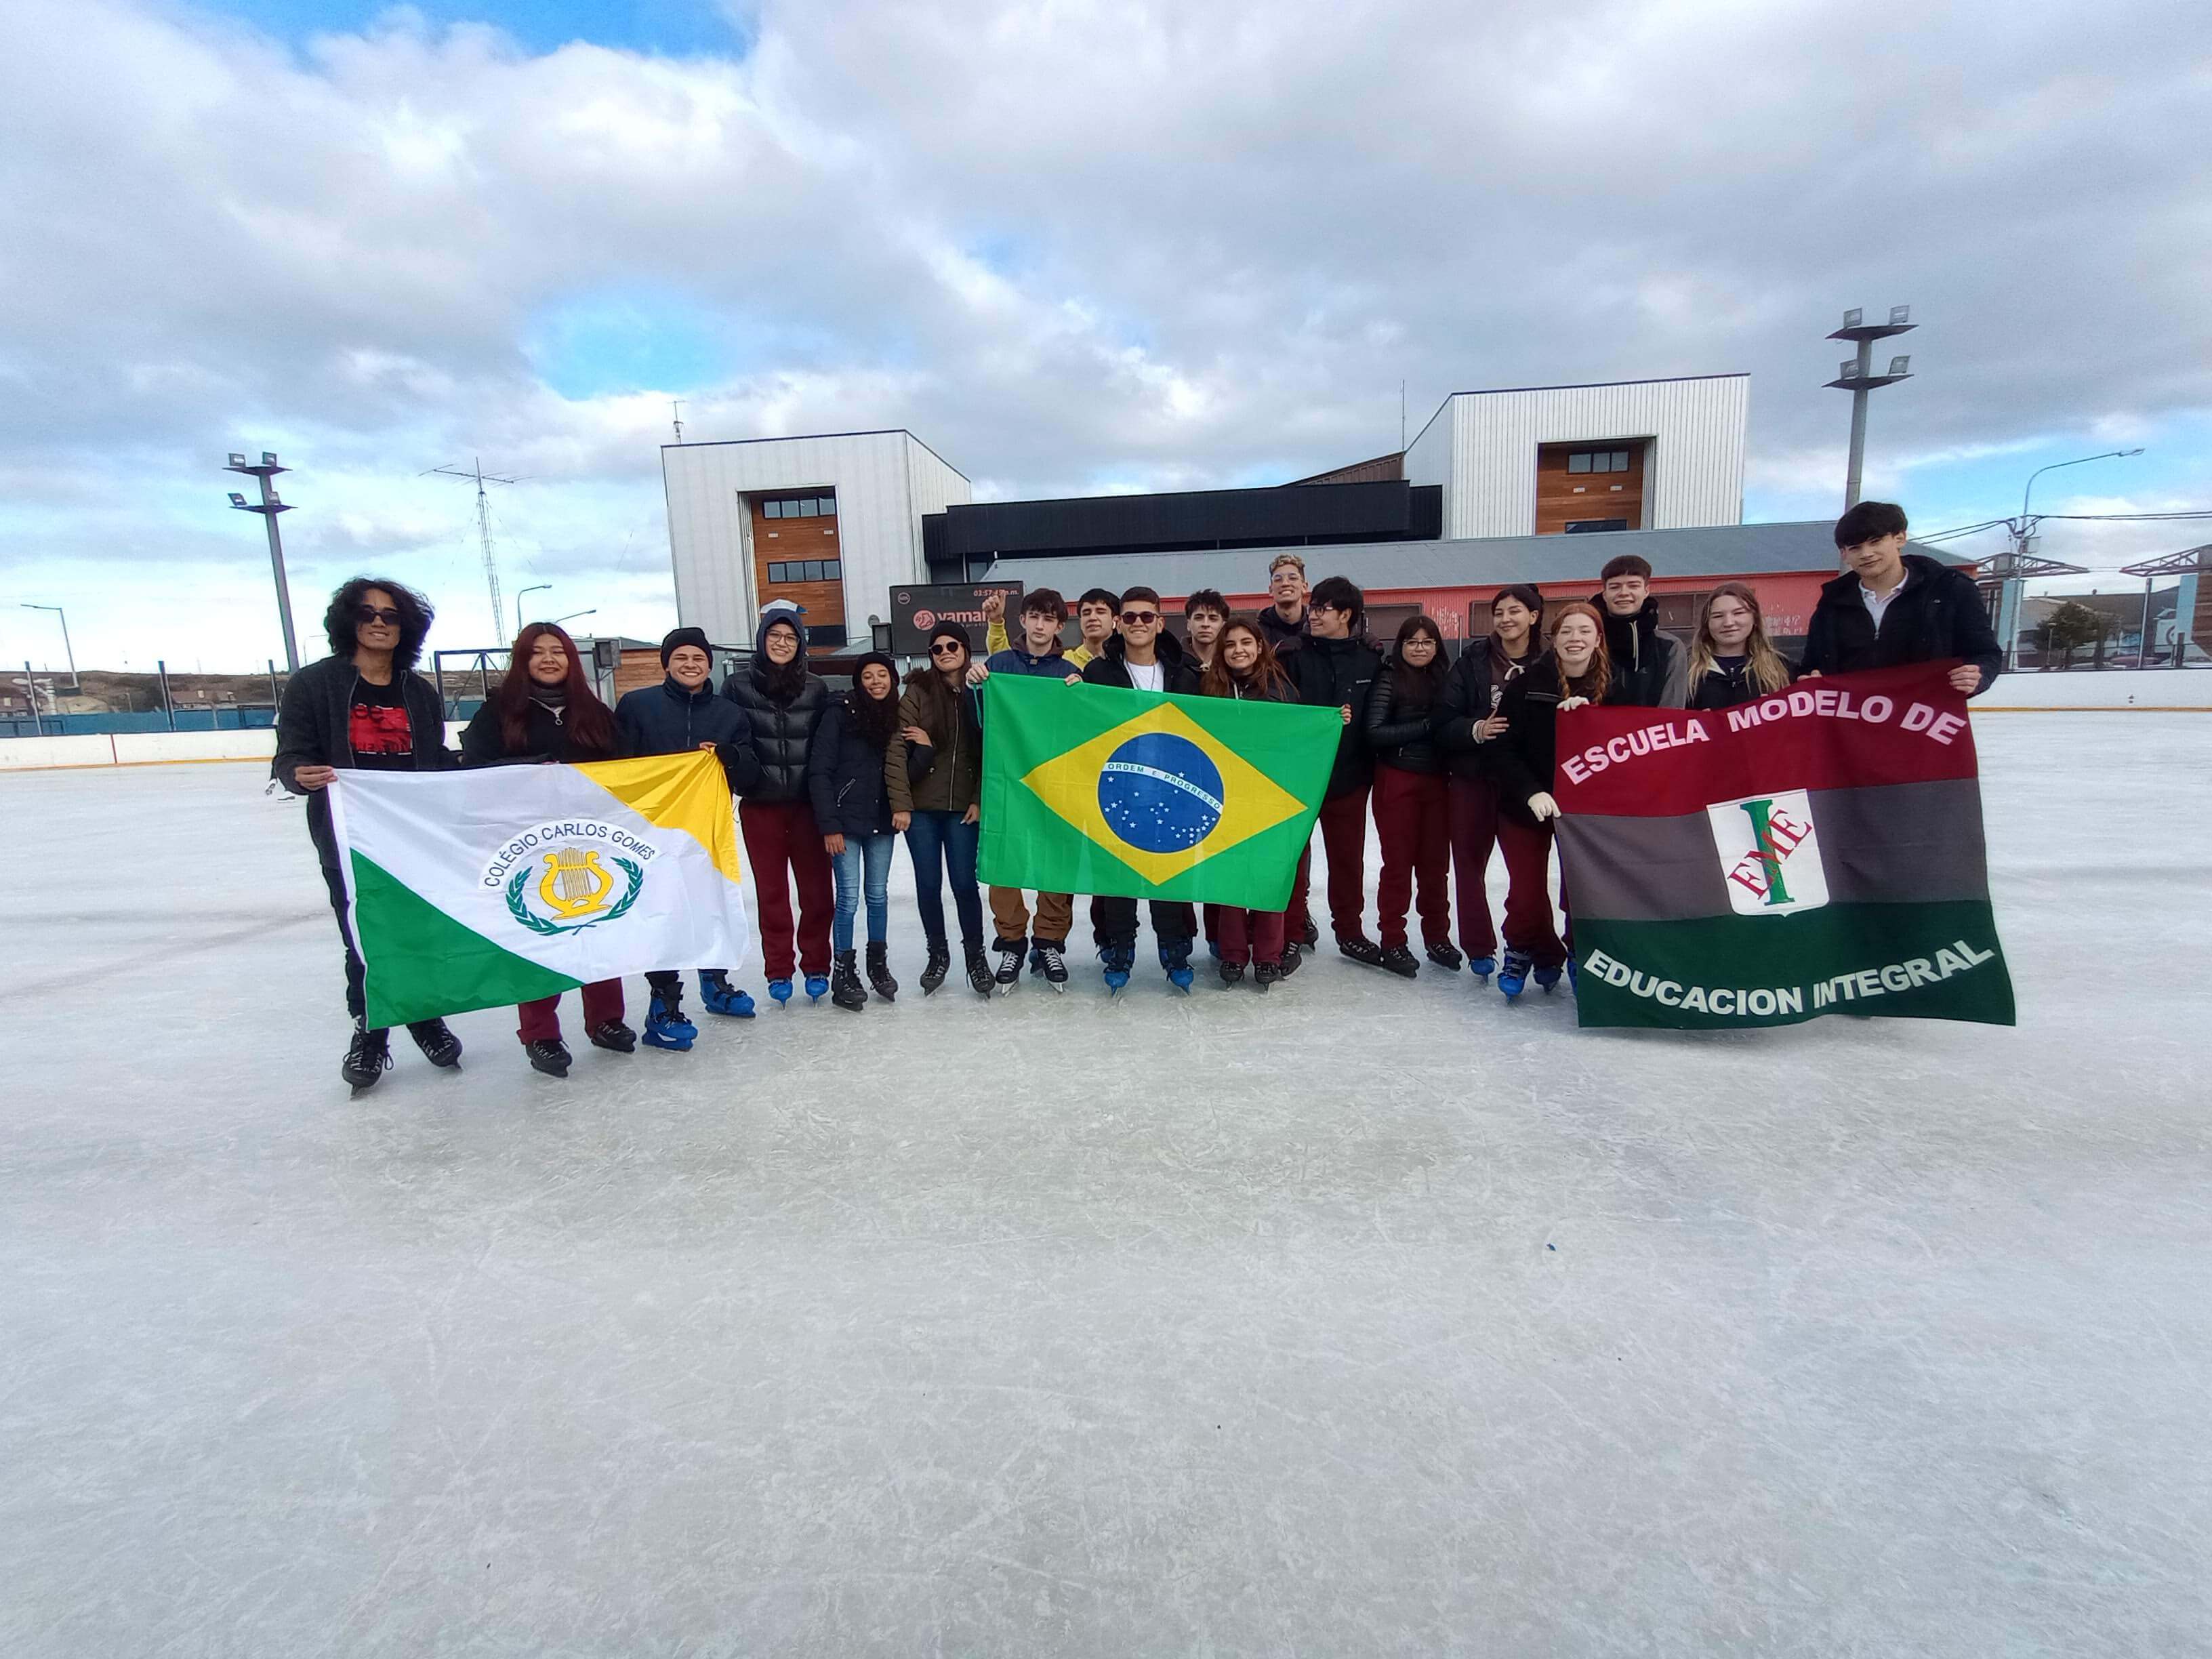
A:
1334	664
1893	607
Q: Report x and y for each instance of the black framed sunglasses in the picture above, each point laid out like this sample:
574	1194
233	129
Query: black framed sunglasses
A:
945	648
377	613
1141	618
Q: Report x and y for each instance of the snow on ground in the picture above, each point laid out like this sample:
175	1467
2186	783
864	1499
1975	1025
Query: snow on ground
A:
1365	1318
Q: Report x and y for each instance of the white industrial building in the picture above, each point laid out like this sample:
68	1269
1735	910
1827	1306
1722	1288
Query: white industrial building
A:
830	523
1508	460
836	523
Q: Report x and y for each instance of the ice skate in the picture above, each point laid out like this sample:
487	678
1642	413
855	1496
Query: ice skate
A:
549	1055
845	988
438	1044
719	996
934	970
879	971
1048	960
368	1057
1514	979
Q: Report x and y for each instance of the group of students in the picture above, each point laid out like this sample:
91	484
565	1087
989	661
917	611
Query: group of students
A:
1451	758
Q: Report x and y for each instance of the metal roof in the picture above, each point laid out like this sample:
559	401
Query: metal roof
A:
1721	550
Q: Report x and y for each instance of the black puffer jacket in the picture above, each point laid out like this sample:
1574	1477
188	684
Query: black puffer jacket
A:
845	775
313	724
1473	691
1938	613
1398	732
666	720
1330	673
781	732
1726	684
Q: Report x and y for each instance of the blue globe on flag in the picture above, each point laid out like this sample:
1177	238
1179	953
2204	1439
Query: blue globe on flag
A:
1159	792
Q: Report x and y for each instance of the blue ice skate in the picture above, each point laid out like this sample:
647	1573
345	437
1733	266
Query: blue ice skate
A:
778	991
817	987
1482	967
1119	960
1547	979
665	1026
1515	978
1175	956
721	997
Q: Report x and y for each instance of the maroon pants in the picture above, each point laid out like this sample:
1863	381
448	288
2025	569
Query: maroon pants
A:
1410	819
1247	935
1344	838
1527	850
541	1020
1471	808
784	847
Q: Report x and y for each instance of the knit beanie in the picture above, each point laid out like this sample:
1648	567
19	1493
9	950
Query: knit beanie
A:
677	636
951	630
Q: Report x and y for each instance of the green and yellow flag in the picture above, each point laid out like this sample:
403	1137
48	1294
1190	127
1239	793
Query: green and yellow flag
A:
1093	789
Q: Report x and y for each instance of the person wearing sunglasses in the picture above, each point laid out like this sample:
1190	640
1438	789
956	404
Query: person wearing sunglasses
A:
1142	657
363	707
933	775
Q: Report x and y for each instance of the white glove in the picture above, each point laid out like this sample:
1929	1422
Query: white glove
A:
1542	806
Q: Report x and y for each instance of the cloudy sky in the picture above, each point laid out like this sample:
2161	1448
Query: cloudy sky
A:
1077	247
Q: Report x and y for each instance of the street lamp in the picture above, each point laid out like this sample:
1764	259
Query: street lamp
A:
268	508
1857	377
75	684
573	615
535	587
2023	541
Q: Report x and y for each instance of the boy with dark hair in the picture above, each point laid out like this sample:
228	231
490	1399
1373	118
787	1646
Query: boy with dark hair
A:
1205	613
1891	607
1095	613
1335	666
1650	670
1142	657
1042	613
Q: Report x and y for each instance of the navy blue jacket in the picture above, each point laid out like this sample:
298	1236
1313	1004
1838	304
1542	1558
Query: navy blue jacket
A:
1330	673
845	776
666	720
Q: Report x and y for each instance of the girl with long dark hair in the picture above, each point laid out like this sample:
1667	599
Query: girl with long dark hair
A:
363	707
1409	805
933	774
1245	666
1576	670
1731	659
546	711
852	808
1465	720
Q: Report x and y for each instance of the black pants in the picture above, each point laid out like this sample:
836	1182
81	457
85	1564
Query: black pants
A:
1113	922
356	1004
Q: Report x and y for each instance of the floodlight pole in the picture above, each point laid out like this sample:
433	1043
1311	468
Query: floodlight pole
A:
268	508
1857	377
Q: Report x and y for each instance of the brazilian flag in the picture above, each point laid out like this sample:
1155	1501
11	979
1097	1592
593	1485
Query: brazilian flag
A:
1094	789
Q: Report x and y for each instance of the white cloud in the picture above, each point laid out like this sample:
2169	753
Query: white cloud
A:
1090	246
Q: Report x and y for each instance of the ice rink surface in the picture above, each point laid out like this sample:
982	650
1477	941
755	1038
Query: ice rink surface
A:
1364	1318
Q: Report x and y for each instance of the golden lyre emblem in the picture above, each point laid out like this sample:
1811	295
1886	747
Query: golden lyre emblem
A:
573	885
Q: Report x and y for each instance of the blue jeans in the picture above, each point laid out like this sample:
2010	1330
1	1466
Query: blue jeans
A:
869	856
939	840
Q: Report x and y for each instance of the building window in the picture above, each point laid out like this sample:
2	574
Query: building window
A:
1588	526
799	507
806	570
829	634
1598	460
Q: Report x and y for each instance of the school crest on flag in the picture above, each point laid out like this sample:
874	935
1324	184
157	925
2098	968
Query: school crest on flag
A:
477	889
1097	789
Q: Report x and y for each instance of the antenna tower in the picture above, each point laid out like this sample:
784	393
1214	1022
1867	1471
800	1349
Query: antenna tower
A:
484	532
676	407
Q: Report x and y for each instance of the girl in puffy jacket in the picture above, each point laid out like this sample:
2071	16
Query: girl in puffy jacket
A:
1245	666
783	704
1410	812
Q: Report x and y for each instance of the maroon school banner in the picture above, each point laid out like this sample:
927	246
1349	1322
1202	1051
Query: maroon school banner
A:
1817	851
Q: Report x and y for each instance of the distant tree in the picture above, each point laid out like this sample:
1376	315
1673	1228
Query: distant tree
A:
2070	627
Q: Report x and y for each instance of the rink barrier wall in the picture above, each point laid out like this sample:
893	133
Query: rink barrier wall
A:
103	749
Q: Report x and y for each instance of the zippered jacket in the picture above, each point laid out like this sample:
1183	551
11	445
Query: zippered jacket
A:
945	775
845	776
312	728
